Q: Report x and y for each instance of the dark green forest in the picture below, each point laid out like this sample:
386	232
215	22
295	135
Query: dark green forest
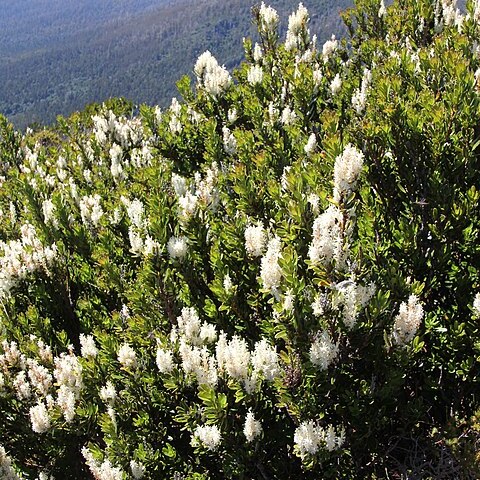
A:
58	56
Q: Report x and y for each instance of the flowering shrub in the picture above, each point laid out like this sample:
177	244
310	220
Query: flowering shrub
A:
275	278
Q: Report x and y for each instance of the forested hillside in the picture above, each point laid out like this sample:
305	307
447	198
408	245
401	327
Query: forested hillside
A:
58	56
29	25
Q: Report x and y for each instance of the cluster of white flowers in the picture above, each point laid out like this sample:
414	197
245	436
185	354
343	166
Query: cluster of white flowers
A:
110	128
101	470
40	379
452	16
323	351
241	364
11	356
382	10
477	77
87	175
309	437
308	56
327	241
314	201
229	141
164	360
129	132
233	356
319	304
232	115
193	337
205	188
175	107
6	469
88	347
66	402
136	212
336	84
359	98
39	418
194	116
150	246
255	75
348	167
136	241
273	114
288	116
309	148
255	240
68	378
13	213
329	48
116	167
408	320
175	123
476	11
24	256
288	301
297	27
476	305
138	469
31	156
140	242
61	167
227	283
127	356
198	362
179	184
265	360
268	18
353	298
203	191
270	271
91	210
22	387
257	53
141	157
414	54
208	435
177	247
44	351
317	76
102	126
34	171
213	78
190	327
108	394
74	190
68	372
252	428
49	210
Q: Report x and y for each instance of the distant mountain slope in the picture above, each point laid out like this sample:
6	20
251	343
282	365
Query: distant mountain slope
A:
80	52
29	25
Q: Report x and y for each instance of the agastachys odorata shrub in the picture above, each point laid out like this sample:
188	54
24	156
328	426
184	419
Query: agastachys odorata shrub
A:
275	277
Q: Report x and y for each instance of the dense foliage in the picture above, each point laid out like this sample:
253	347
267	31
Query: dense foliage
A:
277	277
58	56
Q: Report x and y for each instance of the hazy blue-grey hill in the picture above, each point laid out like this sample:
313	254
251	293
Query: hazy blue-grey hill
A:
58	55
30	25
